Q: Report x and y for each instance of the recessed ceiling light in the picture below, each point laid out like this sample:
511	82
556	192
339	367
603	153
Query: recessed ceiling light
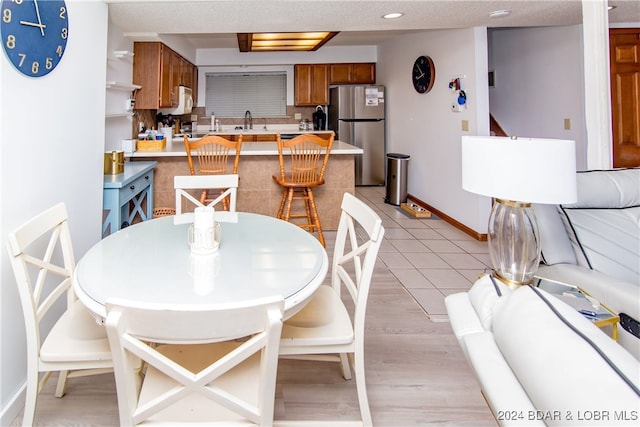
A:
393	15
499	13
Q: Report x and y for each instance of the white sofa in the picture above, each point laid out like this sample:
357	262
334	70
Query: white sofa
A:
595	243
540	362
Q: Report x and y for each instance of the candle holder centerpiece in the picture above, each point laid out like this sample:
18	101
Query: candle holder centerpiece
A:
204	233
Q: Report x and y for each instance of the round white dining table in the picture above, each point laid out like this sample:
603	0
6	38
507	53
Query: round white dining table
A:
151	262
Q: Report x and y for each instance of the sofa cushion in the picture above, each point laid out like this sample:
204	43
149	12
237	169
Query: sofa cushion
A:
485	293
569	370
555	243
606	240
615	188
604	223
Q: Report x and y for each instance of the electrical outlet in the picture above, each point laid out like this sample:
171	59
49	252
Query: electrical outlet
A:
298	116
567	124
465	125
194	117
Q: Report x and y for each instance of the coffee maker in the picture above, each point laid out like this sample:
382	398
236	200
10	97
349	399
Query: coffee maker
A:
319	118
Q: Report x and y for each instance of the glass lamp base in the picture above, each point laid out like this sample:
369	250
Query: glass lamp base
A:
514	245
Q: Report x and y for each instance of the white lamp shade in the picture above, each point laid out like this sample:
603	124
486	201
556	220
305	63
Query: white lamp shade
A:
532	170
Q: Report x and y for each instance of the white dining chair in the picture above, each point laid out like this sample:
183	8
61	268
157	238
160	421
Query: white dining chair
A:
227	182
213	365
324	329
42	258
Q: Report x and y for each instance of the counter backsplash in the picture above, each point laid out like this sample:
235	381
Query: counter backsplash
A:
148	118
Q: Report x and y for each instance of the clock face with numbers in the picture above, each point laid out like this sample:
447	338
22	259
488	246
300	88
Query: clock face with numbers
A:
34	34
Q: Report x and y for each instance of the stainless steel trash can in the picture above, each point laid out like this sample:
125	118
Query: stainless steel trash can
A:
397	165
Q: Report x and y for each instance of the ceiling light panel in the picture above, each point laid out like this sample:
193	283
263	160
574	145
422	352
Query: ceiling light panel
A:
298	41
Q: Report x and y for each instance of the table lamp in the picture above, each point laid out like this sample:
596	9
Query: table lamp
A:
517	172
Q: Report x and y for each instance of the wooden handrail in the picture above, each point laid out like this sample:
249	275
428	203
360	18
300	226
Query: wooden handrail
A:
495	127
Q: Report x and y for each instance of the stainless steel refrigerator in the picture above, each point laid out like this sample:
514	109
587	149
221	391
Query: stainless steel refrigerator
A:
356	115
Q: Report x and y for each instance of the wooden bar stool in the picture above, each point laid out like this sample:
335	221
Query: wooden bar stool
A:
212	153
308	157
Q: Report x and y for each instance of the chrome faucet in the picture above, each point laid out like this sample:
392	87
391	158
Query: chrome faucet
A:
248	120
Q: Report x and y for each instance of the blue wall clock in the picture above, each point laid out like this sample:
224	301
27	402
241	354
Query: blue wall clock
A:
34	34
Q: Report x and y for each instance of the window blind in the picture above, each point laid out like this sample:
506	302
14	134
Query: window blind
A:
232	94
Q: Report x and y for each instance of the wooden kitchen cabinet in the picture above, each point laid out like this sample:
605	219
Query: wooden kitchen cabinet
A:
159	70
355	73
311	84
194	88
311	81
363	73
186	73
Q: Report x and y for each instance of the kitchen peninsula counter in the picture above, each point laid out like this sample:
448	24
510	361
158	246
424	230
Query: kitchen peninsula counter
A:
175	148
257	191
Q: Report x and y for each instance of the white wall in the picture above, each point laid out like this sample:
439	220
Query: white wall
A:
539	82
117	127
423	125
51	133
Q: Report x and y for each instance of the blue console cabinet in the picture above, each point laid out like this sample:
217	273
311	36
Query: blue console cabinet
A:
127	195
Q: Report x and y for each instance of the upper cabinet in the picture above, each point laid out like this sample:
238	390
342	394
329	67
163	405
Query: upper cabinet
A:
160	71
311	81
357	73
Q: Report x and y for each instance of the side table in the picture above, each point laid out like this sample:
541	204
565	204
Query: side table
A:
588	306
124	194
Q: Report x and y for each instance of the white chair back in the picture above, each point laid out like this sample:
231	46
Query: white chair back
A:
36	301
41	254
210	364
353	265
324	329
229	188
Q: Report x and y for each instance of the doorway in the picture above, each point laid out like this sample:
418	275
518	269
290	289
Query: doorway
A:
624	53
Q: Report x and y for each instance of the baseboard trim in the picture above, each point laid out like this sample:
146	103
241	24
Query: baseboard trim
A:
13	407
460	226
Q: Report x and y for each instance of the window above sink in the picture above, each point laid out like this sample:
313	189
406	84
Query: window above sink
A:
232	94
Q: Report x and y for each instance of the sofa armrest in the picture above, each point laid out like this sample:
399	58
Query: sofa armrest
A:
618	295
470	312
462	316
505	396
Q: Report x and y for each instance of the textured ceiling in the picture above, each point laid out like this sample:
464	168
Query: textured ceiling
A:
213	23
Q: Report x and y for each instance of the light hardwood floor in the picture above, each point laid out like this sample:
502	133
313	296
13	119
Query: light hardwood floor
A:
416	372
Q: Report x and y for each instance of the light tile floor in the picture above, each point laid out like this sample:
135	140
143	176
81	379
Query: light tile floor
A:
428	256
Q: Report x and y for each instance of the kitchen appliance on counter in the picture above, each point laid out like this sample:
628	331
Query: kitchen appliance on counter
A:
319	118
357	116
185	103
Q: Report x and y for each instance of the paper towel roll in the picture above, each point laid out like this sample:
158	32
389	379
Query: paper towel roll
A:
167	131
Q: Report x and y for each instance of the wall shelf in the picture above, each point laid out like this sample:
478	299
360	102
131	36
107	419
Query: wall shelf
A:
122	54
122	86
118	55
117	115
